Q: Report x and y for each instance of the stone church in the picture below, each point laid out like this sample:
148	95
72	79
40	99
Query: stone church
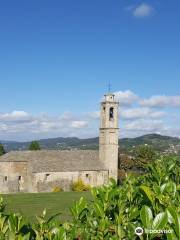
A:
42	171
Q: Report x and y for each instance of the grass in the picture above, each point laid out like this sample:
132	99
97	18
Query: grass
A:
32	204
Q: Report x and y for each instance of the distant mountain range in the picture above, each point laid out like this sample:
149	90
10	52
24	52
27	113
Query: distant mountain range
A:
158	142
54	143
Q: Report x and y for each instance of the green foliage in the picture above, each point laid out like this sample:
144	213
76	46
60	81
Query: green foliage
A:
57	189
126	162
80	186
144	153
2	151
45	227
150	201
34	146
2	205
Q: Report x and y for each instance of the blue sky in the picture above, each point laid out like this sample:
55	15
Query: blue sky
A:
57	57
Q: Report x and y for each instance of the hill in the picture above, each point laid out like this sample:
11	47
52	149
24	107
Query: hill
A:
158	142
54	143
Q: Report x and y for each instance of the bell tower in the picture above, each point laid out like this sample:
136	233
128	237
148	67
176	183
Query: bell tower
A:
109	135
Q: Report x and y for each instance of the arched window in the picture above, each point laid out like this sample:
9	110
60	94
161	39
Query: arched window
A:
111	113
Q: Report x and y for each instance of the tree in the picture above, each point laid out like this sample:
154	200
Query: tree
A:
125	161
144	153
34	146
2	151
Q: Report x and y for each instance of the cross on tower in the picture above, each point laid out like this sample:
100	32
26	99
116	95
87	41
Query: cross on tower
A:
109	87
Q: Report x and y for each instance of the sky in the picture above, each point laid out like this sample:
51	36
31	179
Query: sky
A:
57	58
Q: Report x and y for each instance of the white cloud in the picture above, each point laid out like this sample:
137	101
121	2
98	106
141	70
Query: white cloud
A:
79	124
135	113
137	117
161	101
126	98
143	10
22	125
145	125
13	116
93	115
140	127
67	116
3	127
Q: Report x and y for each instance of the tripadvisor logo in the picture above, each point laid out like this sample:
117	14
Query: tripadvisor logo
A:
139	231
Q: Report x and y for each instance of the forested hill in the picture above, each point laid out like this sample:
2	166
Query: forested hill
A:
159	142
54	143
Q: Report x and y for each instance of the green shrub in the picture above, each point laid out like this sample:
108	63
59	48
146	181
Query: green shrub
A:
149	201
144	154
80	186
57	189
34	146
2	151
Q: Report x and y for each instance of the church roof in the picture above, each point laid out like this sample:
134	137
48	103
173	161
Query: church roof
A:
56	160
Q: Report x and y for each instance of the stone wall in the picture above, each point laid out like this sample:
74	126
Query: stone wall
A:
13	177
18	177
47	181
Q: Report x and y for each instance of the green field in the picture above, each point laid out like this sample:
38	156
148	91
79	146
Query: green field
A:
32	204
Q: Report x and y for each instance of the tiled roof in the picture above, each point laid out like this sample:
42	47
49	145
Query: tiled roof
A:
56	160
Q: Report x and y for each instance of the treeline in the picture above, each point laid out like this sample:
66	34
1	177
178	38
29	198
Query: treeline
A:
34	145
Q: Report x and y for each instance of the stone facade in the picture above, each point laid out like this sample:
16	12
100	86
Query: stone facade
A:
46	182
42	171
109	135
14	177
